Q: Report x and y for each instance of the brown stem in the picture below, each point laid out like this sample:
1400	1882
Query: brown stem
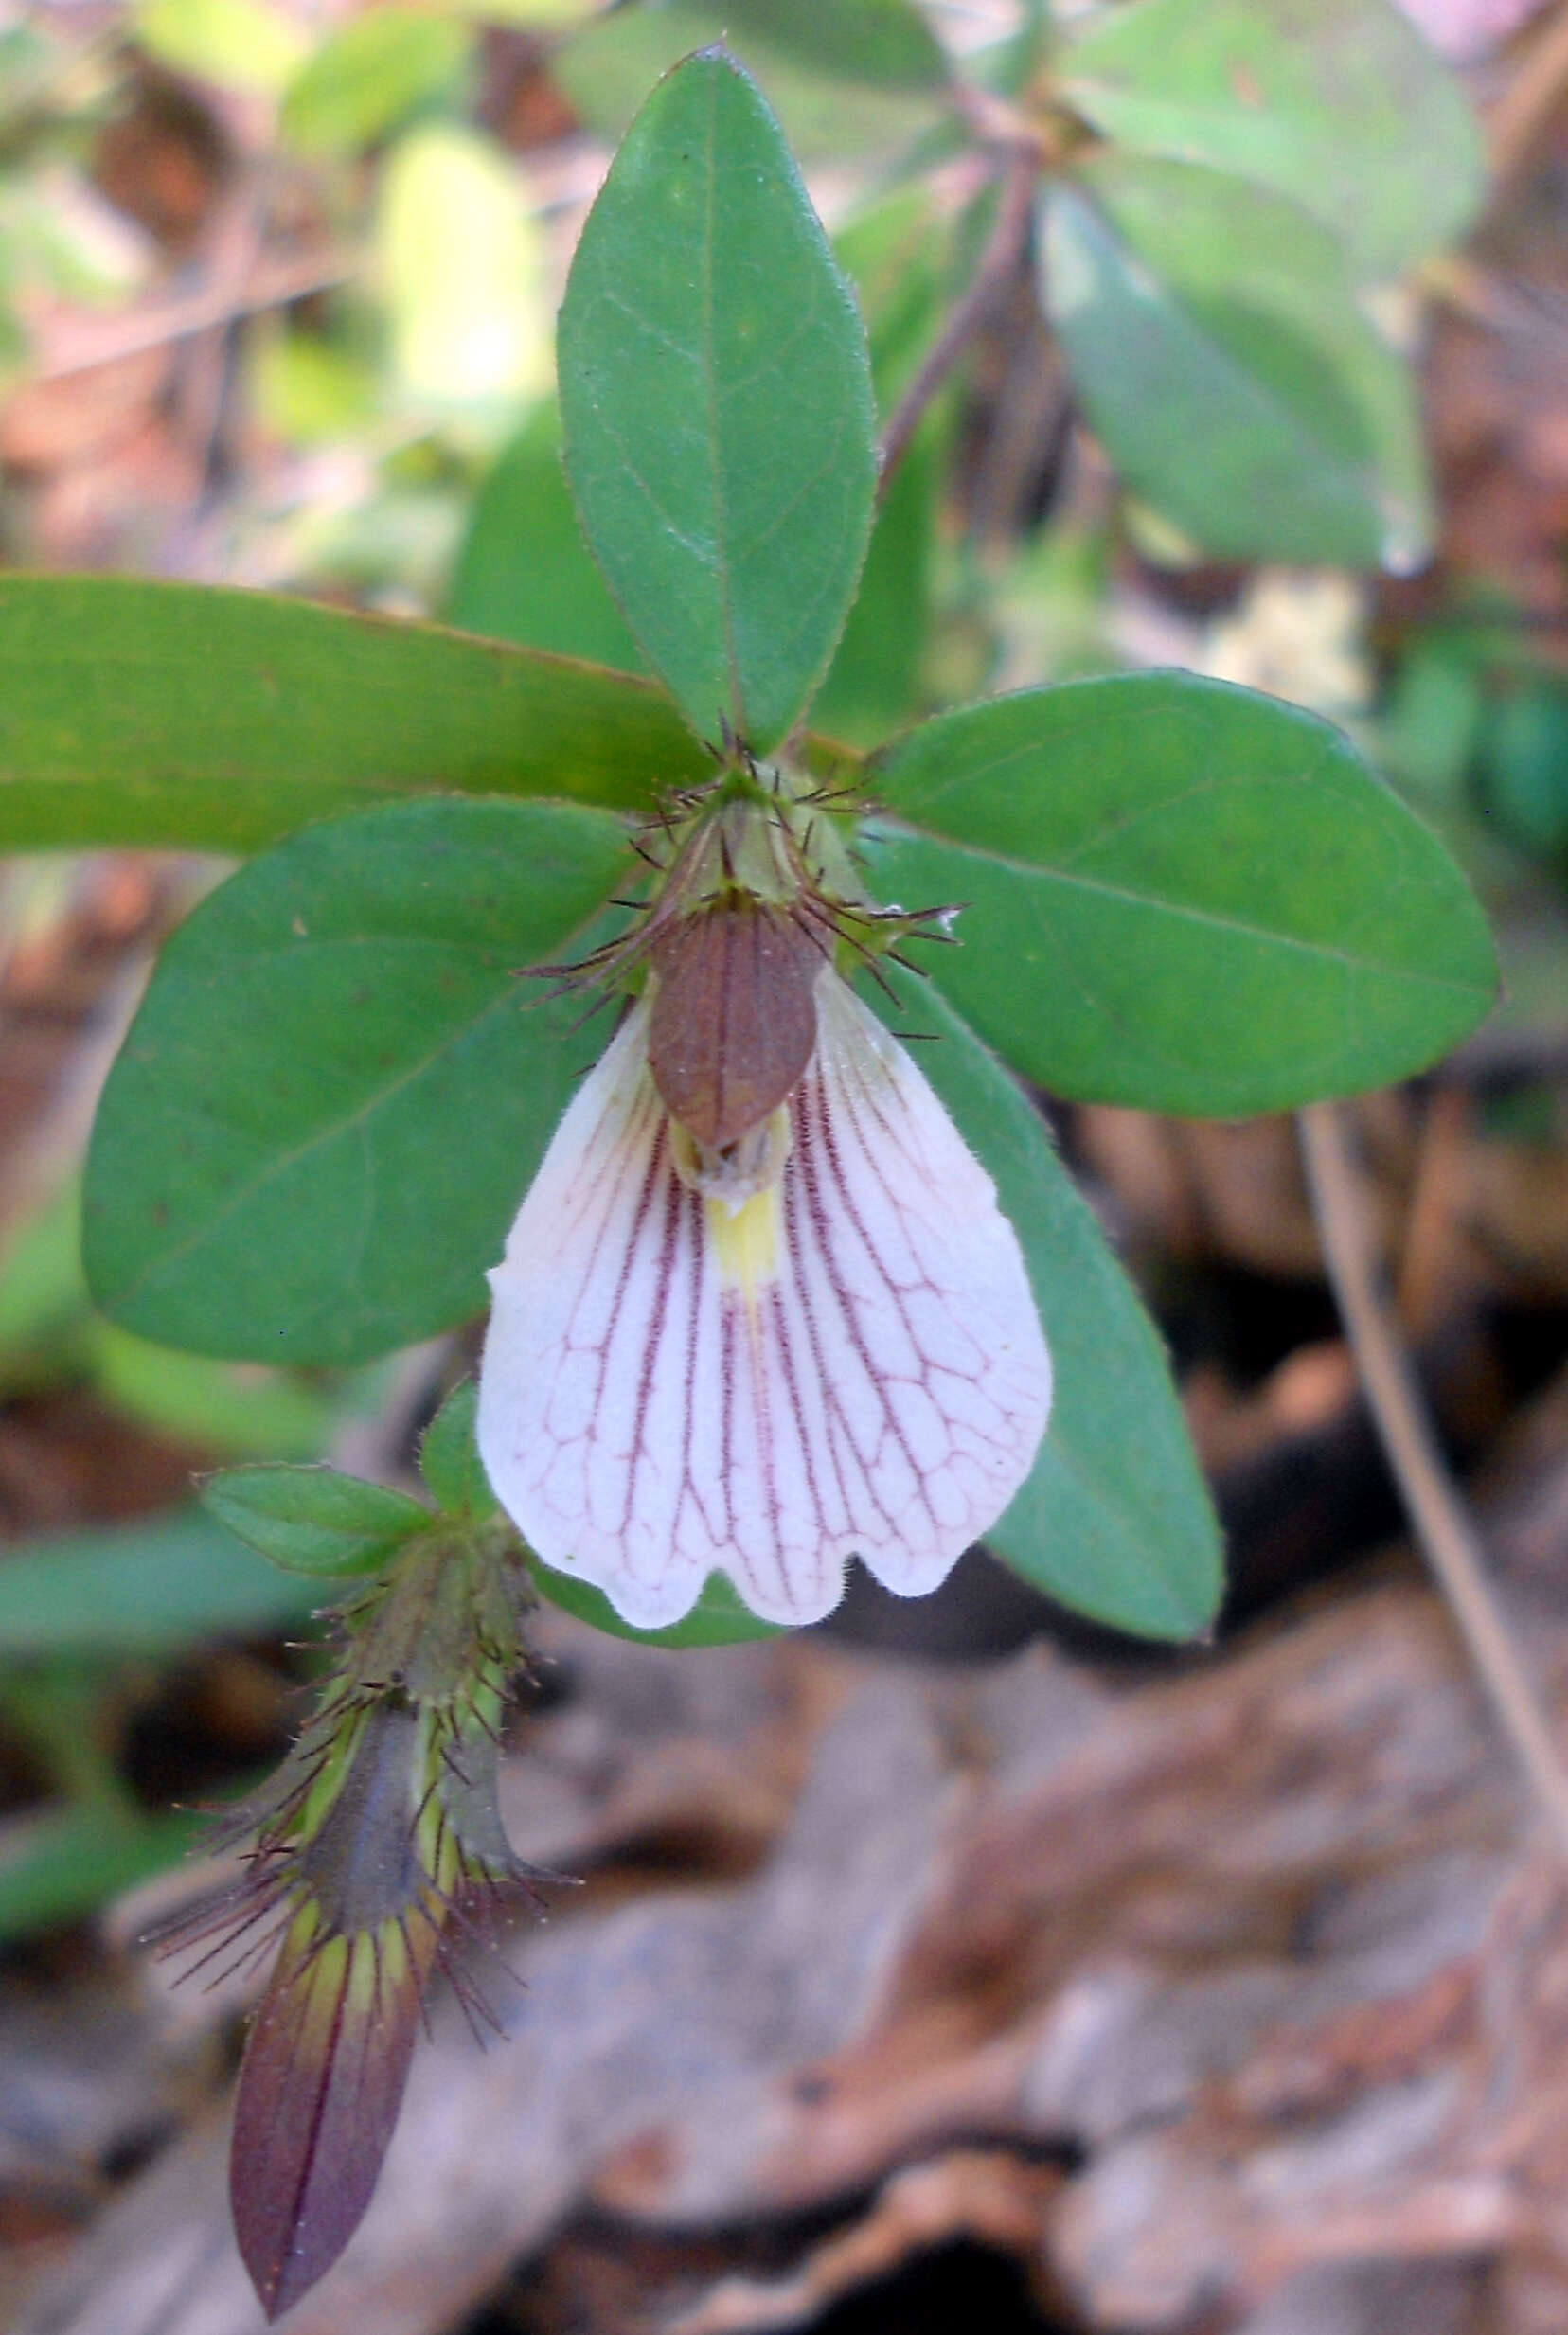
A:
1526	106
1435	1507
997	266
74	343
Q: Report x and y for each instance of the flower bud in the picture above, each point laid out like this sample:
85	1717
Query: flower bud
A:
370	1852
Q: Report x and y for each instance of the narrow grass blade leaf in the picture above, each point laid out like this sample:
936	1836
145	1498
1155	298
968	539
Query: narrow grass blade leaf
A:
157	713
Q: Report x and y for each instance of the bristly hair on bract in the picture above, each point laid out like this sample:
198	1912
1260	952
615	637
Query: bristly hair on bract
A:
753	892
370	1860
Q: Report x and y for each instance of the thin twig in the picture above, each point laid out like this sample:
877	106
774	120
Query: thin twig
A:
995	271
74	343
1435	1507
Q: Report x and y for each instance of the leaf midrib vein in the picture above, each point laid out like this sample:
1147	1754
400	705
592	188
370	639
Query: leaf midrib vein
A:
1036	873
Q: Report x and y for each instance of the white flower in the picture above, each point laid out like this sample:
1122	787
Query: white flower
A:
822	1346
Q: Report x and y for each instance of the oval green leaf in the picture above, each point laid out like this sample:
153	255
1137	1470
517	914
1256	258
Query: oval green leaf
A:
369	75
1181	895
718	1618
157	713
1338	104
337	1088
716	397
1115	1519
1216	343
313	1520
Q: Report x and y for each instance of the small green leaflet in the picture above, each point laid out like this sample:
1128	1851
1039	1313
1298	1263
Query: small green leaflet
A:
449	1458
314	1520
716	398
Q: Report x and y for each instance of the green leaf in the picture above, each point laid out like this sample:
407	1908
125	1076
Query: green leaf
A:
240	1409
63	1862
42	1297
1180	895
1216	343
716	397
449	1456
154	713
238	44
1428	726
369	75
462	262
1523	765
1115	1519
899	255
893	253
718	1618
148	1588
313	1520
1338	104
886	42
337	1088
524	572
607	70
874	683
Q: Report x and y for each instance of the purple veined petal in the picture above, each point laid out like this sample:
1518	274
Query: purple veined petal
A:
850	1364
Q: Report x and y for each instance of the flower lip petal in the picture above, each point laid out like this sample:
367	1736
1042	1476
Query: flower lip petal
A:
665	1396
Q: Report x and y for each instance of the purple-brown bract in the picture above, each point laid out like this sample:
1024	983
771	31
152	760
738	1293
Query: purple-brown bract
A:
371	1851
734	1017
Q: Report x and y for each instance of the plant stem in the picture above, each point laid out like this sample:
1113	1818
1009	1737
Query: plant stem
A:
997	265
1525	108
75	343
1435	1507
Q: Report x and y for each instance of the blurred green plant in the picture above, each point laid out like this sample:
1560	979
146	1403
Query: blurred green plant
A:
82	1614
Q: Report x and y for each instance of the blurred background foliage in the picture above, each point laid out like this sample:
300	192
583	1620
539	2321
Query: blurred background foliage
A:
277	282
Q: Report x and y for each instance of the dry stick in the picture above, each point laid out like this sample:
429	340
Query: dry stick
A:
1433	1499
79	343
993	275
